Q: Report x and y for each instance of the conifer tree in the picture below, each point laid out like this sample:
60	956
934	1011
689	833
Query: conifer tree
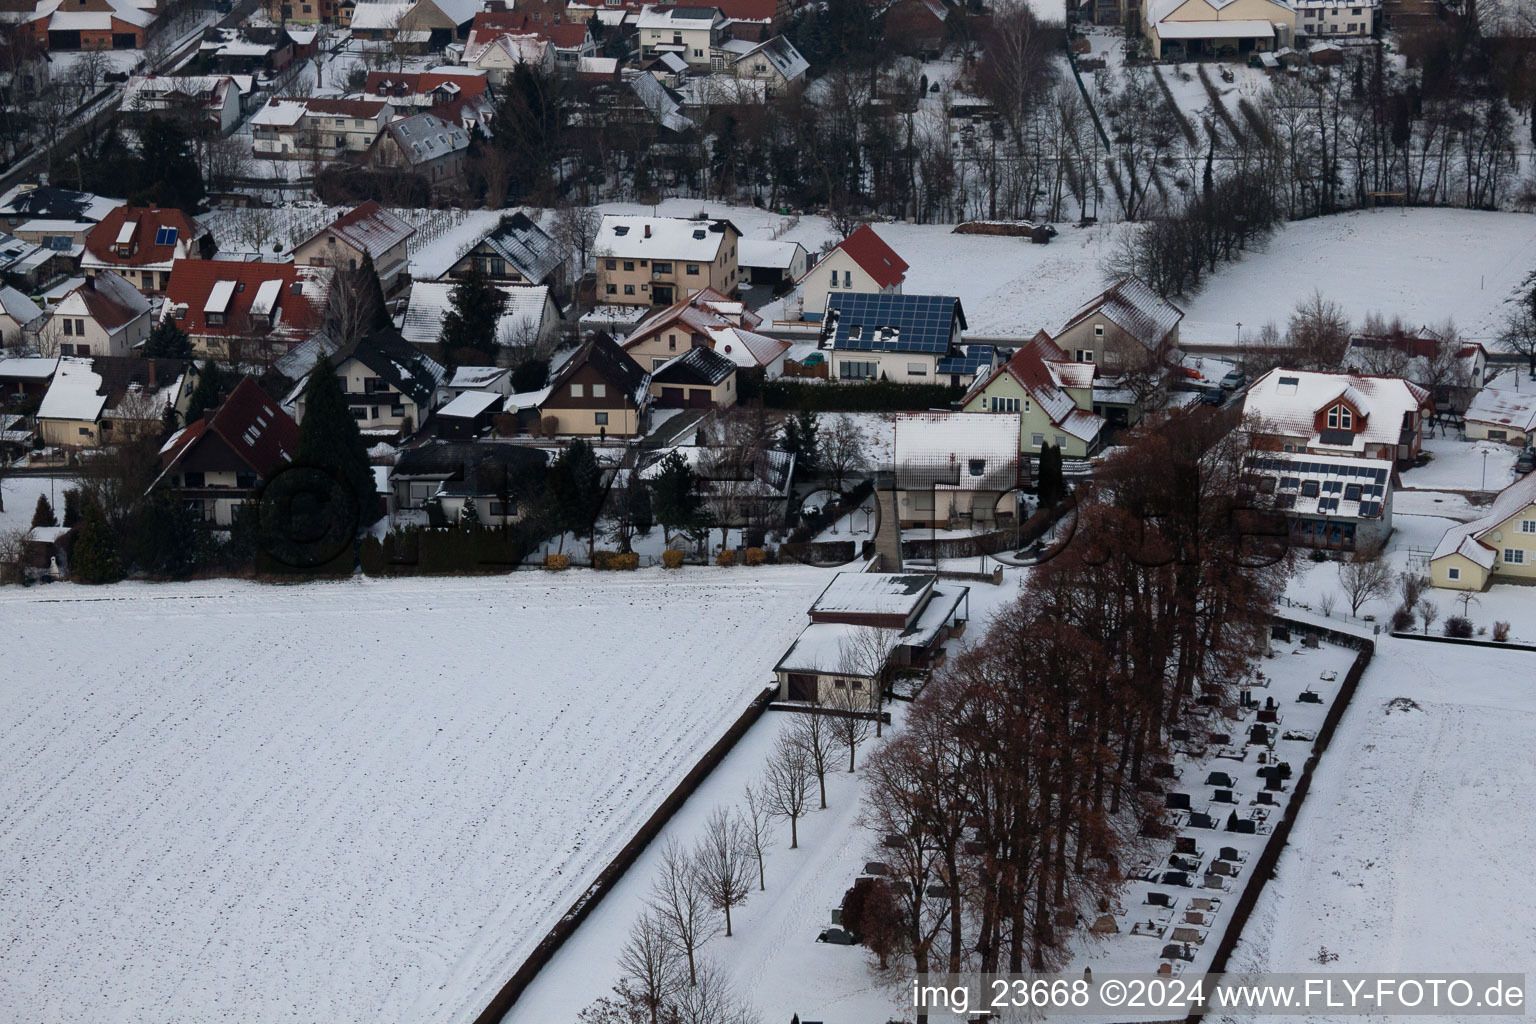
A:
167	341
94	556
43	514
329	438
475	309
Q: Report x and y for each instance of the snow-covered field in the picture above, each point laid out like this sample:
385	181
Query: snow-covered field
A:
354	801
1413	850
1423	265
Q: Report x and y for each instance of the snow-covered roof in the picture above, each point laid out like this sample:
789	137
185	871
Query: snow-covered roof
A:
522	314
671	19
470	404
210	89
874	593
744	347
1467	538
663	238
965	450
17	306
1135	308
56	226
1503	409
426	137
781	53
378	15
369	228
659	102
280	113
762	252
475	377
28	367
1287	402
531	250
73	393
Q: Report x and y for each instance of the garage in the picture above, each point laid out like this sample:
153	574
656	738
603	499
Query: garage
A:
802	687
672	398
699	398
700	378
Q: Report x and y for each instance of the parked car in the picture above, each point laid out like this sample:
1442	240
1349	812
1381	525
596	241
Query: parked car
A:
1212	396
1526	461
1234	380
837	937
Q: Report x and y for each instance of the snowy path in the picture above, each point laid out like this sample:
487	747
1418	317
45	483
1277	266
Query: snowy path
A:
1413	851
348	801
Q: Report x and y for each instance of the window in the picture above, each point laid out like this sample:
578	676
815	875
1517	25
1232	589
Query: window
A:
600	418
1528	526
245	481
86	430
847	278
578	391
1098	330
1498	435
358	412
599	390
917	370
612	264
663	268
215	319
855	684
1309	488
856	369
193	479
1005	405
80	328
839	684
692	269
1514	556
1339	418
629	264
671	343
629	289
977	466
69	327
1085	355
611	289
1036	440
657	362
922	501
1061	441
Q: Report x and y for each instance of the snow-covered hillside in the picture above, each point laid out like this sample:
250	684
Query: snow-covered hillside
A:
356	801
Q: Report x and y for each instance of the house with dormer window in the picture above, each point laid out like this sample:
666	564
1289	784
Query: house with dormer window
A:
1500	546
1348	415
861	263
1053	394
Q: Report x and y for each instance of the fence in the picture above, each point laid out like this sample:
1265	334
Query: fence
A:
1465	641
610	875
1264	867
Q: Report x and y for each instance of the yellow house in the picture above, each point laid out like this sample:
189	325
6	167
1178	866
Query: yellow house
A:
654	261
1215	27
1499	546
95	402
1053	395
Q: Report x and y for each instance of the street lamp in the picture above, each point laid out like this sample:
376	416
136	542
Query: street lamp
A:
1484	486
1239	332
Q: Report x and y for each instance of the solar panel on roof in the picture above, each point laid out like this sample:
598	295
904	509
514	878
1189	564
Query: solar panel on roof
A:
165	236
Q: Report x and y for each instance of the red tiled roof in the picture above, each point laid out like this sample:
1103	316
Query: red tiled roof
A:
370	228
101	242
421	82
566	35
338	108
299	314
251	424
694	310
879	260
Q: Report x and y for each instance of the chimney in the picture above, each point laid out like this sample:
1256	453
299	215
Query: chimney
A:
647	231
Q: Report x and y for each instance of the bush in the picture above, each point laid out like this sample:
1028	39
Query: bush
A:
1318	555
1459	627
672	558
756	556
1402	621
1501	631
370	555
726	557
557	563
614	561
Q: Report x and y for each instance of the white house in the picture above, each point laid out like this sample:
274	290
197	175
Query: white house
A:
693	33
862	262
529	316
901	338
103	316
1334	18
296	128
216	98
1508	416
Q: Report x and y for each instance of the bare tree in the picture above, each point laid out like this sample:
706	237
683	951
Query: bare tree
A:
867	653
1519	333
680	902
1364	577
850	725
1428	613
649	961
576	230
787	784
755	820
712	1000
1411	586
1318	333
813	732
724	864
840	450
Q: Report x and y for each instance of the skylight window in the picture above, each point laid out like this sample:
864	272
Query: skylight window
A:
165	236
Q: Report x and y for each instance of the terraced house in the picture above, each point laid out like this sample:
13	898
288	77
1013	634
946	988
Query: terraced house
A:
655	261
300	128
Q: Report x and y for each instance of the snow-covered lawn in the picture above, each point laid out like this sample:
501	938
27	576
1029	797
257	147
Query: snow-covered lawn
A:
1424	265
353	801
20	497
1459	465
1413	850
